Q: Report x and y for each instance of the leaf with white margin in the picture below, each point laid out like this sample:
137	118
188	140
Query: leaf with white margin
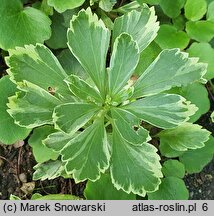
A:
20	26
162	110
87	155
125	122
184	137
48	170
88	40
63	5
57	140
82	89
171	68
124	59
9	131
133	168
141	25
38	65
70	117
33	106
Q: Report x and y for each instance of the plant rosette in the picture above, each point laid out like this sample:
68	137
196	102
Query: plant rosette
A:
101	122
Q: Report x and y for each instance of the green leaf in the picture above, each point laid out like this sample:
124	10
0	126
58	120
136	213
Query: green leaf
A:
87	155
58	37
185	136
172	8
159	76
169	152
147	57
103	189
197	94
57	140
179	22
70	64
33	106
195	9
175	38
31	62
13	197
195	160
162	110
71	117
133	168
205	52
128	125
48	170
171	188
62	5
107	5
141	25
88	39
202	31
173	168
210	11
83	90
20	26
40	151
9	131
124	59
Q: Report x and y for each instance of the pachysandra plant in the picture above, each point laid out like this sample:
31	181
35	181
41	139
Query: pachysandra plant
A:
102	122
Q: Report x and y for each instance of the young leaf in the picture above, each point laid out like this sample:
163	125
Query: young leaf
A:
159	76
62	5
185	136
142	26
173	168
83	90
37	64
175	38
201	31
87	155
162	110
195	9
205	52
58	197
124	59
57	140
48	170
171	188
125	122
133	168
71	117
195	160
88	40
20	26
103	189
212	116
9	131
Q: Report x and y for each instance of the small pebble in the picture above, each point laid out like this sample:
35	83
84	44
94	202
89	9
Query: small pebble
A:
18	144
199	190
23	177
